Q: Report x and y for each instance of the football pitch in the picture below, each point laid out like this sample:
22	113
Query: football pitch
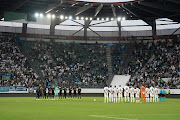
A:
27	108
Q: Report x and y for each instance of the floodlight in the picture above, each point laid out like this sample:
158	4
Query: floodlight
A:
36	14
61	17
70	17
82	18
48	15
123	18
41	15
53	16
77	18
119	18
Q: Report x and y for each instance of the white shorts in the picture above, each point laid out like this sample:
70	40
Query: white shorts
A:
137	95
105	95
115	95
156	95
110	94
151	95
126	94
132	95
119	95
146	95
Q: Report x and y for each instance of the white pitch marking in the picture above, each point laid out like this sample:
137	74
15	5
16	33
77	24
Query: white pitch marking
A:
104	116
145	114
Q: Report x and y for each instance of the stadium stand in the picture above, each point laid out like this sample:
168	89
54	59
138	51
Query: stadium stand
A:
69	63
86	65
156	60
118	57
15	66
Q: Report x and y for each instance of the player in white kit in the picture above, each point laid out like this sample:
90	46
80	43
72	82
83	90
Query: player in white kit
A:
110	94
106	89
137	91
115	94
156	92
151	94
120	90
147	94
126	93
132	91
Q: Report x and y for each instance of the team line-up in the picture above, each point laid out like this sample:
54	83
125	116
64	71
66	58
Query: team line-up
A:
115	94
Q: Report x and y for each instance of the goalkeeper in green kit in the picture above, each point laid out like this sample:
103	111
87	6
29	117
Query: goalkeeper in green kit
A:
56	93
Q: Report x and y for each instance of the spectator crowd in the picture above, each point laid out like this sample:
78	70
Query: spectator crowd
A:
69	63
31	63
15	65
154	61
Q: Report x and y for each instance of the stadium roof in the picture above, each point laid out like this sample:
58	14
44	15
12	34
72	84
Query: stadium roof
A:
135	9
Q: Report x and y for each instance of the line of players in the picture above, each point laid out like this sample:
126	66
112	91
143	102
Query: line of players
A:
57	93
147	94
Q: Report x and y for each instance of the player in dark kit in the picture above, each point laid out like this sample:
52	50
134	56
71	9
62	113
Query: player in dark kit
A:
79	93
49	92
37	93
65	90
74	96
44	93
60	92
70	92
52	92
41	92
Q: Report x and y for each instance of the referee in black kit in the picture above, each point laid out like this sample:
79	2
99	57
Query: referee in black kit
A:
79	93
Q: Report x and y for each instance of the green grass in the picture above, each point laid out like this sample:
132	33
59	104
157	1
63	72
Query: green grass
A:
24	108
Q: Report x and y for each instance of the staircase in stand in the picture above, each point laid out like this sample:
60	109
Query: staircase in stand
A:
109	63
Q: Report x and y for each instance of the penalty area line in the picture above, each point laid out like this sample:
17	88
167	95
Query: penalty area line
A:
110	117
